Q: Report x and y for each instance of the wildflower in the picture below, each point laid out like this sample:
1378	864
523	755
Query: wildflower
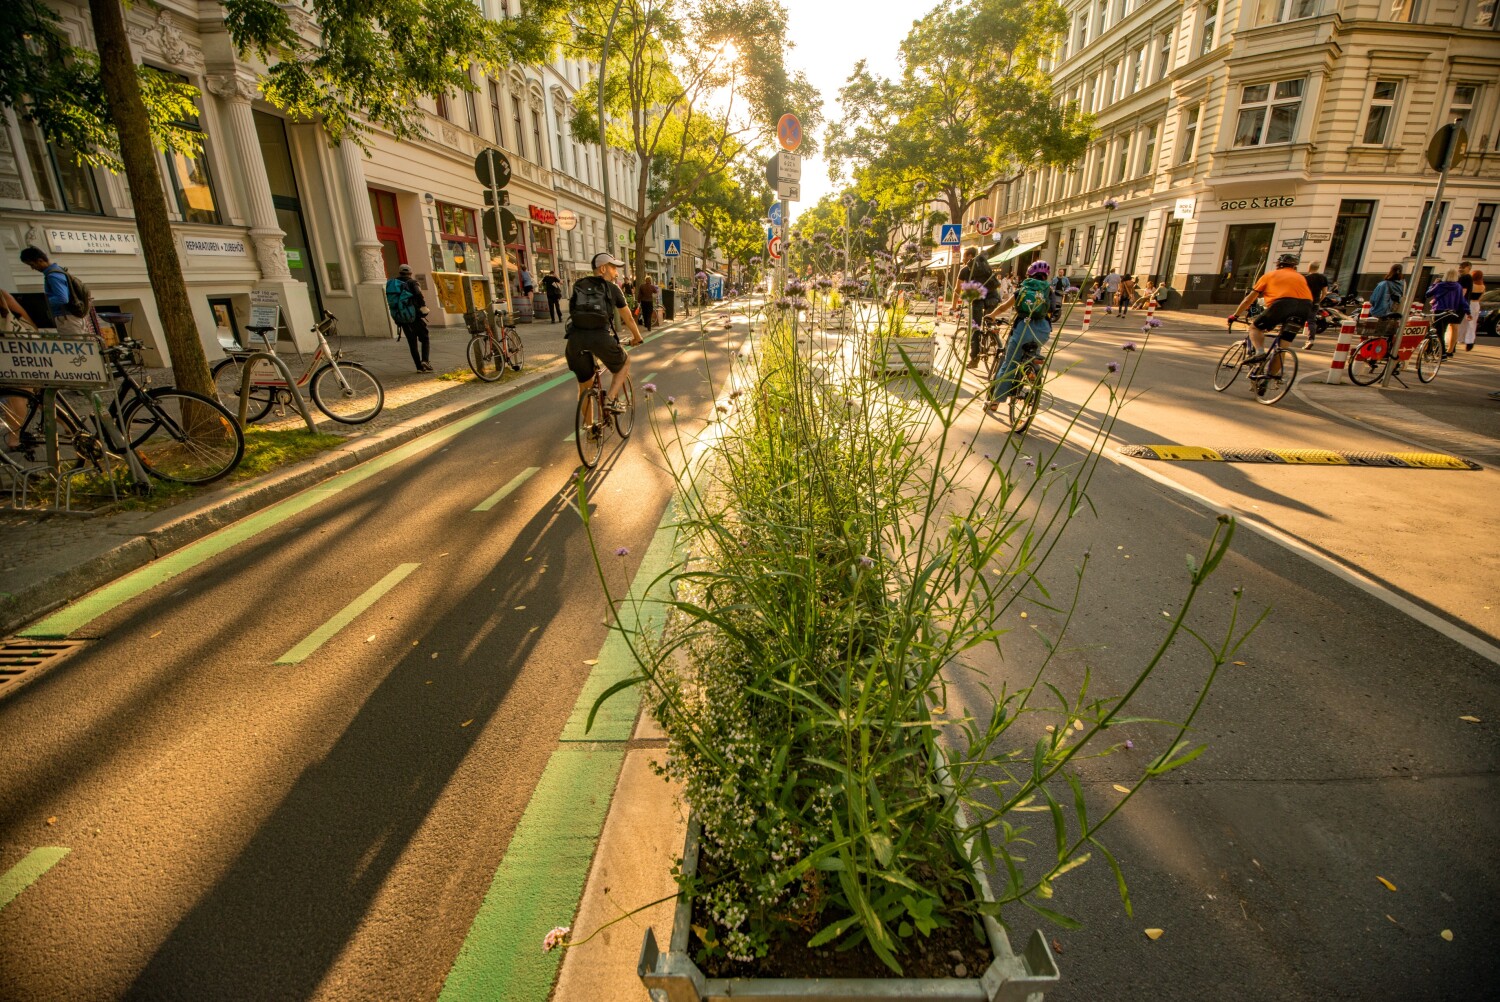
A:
1052	467
793	287
1030	463
1152	322
866	221
1129	744
797	302
649	388
736	394
555	937
970	291
1128	346
1113	367
722	408
910	247
866	562
671	401
623	551
1110	203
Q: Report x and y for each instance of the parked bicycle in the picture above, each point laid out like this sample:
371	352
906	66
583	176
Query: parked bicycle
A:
346	391
495	346
176	435
1270	374
1366	364
596	412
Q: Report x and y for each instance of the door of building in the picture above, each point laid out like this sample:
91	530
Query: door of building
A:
1111	235
1133	244
388	230
276	151
1351	231
1247	252
1166	268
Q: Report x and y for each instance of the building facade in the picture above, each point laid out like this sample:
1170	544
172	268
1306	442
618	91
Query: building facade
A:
1230	131
272	206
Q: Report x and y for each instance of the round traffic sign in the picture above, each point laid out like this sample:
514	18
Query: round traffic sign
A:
1451	141
567	219
492	168
775	248
508	225
984	225
789	132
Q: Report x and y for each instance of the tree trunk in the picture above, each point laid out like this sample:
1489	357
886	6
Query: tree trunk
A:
122	99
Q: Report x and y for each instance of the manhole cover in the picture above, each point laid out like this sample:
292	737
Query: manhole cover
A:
20	659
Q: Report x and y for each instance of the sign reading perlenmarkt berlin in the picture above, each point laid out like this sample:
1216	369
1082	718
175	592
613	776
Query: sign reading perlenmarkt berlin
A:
52	361
91	242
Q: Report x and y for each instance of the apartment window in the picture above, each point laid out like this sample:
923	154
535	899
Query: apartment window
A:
1111	78
471	105
493	87
1189	142
1268	113
1480	231
536	135
1098	172
562	147
1148	150
189	174
1093	93
442	104
1083	31
1102	19
1210	25
1122	157
1072	245
1137	70
1408	10
1461	109
1088	246
515	111
1437	228
63	184
1382	112
1275	11
1163	56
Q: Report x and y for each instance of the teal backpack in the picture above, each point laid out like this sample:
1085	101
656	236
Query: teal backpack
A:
400	301
1034	299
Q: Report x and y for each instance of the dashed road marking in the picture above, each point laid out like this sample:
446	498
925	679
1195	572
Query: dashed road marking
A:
28	871
345	616
516	481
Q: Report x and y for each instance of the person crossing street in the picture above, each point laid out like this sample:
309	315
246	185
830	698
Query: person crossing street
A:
408	307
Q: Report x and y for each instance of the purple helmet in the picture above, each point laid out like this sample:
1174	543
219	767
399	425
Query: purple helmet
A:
1038	269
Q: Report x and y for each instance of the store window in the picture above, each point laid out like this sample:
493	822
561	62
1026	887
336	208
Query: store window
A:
1351	232
1382	112
63	184
1208	26
1461	108
189	174
1072	245
1189	140
1088	246
1268	113
460	237
1481	230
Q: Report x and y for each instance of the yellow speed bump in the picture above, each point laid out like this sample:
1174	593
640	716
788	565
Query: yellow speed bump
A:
1300	457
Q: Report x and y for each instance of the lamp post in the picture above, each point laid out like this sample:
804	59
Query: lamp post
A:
609	209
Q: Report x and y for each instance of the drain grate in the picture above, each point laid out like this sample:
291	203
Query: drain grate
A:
20	659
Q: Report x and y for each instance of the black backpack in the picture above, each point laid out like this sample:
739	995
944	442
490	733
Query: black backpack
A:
591	308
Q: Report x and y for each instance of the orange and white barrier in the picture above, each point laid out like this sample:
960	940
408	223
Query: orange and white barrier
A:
1150	308
1088	313
1364	310
1341	352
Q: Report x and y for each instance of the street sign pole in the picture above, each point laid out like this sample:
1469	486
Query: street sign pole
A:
510	313
494	170
1450	141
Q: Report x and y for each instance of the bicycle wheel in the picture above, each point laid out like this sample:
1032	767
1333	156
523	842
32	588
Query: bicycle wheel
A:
21	421
514	349
1429	358
1229	366
182	436
588	428
1277	385
625	416
485	358
18	409
1023	406
1366	361
359	402
227	373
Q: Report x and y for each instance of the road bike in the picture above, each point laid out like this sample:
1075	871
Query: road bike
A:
596	412
1026	398
993	333
494	346
1268	388
176	435
346	391
1366	363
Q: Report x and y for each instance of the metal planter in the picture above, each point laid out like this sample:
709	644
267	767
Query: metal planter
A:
673	977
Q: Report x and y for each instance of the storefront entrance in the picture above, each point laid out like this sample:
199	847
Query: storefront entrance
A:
1166	268
1351	231
276	151
388	230
1247	252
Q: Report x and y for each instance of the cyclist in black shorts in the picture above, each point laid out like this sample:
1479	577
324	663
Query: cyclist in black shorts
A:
1287	298
593	308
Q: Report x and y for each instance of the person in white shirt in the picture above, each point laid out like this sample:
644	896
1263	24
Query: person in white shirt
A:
1111	290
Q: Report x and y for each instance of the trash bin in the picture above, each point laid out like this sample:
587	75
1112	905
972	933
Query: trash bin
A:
668	304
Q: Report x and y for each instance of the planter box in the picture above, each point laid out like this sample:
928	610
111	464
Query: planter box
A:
674	977
884	353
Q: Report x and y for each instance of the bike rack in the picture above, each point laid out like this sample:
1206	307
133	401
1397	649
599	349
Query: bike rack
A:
286	374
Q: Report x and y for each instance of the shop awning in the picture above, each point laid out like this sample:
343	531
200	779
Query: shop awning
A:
1015	252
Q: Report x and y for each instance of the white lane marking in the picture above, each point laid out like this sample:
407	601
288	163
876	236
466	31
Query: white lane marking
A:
346	615
516	481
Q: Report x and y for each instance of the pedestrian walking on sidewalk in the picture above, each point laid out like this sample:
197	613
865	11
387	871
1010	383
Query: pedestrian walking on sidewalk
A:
403	297
1472	329
1111	290
1127	293
1470	320
1448	303
646	294
69	299
552	286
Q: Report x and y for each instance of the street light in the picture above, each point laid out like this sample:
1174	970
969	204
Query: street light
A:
609	209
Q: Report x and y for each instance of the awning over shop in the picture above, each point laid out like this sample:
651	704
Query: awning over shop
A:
1015	252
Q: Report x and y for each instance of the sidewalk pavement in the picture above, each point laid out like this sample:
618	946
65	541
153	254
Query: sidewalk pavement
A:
50	558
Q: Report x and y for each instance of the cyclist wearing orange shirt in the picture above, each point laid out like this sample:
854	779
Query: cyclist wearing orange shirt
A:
1287	298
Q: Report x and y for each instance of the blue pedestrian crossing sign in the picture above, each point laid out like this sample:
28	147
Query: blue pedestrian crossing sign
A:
775	213
673	248
951	235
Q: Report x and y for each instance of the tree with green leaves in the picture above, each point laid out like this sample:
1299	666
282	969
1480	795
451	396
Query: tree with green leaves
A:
972	106
727	210
356	65
691	86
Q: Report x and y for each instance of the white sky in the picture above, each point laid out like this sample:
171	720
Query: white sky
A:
829	38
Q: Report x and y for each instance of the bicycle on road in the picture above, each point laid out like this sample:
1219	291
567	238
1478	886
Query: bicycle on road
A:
494	346
1366	363
1270	374
1026	398
596	413
346	391
176	435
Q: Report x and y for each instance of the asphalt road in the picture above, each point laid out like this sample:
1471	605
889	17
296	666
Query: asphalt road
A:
327	829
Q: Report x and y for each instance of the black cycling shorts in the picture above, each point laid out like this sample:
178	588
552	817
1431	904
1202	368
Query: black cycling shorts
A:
1281	312
582	347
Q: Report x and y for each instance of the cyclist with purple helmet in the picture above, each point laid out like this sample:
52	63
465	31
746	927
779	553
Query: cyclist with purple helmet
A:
1032	329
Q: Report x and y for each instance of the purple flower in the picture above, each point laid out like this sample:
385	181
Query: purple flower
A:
1128	346
848	287
866	562
1052	467
671	401
554	938
1030	463
1129	744
1152	322
910	247
623	551
649	388
866	221
1110	203
970	291
794	287
1113	367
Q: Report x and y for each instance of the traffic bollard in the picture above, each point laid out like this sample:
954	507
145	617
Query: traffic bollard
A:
1341	352
1088	313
